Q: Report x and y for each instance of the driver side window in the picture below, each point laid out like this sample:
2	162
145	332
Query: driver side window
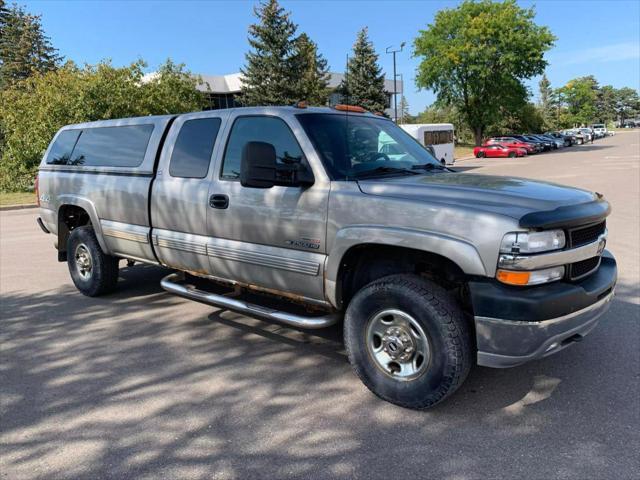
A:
271	130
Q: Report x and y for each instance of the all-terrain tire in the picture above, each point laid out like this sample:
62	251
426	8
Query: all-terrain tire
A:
440	318
93	272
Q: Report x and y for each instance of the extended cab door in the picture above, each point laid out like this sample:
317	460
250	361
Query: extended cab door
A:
273	238
179	199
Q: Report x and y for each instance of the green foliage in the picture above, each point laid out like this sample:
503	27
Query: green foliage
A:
363	83
546	103
438	113
24	48
271	75
476	56
627	103
579	97
34	109
313	76
526	119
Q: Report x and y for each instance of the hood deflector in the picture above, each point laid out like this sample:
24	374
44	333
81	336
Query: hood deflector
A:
569	215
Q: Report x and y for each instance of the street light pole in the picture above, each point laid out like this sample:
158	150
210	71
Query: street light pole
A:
395	84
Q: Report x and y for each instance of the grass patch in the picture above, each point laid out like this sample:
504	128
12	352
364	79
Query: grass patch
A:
17	198
463	150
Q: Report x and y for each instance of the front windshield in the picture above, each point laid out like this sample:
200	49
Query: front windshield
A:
355	146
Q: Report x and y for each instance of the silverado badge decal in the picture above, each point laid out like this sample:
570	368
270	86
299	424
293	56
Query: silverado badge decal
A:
304	243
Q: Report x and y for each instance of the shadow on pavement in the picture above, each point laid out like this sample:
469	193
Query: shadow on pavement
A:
130	386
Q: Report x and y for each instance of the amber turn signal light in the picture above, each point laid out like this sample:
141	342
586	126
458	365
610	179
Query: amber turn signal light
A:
350	108
513	278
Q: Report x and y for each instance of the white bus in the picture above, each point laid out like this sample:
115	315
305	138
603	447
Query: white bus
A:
437	135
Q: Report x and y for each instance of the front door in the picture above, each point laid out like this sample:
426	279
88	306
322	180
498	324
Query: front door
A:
272	238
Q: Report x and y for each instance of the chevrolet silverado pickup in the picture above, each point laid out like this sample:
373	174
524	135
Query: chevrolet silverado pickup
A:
315	216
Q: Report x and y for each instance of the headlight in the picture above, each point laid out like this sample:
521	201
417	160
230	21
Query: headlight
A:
532	242
535	277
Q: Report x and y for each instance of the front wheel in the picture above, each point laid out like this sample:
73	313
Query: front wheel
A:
512	154
407	340
93	272
479	154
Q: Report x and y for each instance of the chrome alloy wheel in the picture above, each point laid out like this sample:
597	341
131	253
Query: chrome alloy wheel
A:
398	345
84	264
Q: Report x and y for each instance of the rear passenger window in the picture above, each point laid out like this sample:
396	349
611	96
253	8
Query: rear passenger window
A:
259	129
193	148
112	146
60	152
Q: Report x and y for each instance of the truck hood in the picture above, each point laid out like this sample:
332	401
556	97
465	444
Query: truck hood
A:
510	196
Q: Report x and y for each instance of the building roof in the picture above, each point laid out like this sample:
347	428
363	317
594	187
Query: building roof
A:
232	83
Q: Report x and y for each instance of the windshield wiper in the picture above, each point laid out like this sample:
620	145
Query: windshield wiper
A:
383	170
429	166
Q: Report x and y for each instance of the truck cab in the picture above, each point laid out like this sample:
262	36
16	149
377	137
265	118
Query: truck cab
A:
316	216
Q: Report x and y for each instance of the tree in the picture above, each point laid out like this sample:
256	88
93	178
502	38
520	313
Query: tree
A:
627	103
476	56
437	113
579	97
313	72
271	76
363	83
606	104
24	48
34	110
527	118
546	92
404	110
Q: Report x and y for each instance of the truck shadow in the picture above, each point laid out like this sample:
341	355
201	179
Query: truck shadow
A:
134	384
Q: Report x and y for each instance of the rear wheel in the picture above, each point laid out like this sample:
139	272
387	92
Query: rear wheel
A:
407	340
93	272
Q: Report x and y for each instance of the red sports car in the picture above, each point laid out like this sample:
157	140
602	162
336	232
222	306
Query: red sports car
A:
498	151
511	142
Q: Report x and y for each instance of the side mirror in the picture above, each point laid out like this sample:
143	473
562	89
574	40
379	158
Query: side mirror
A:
258	165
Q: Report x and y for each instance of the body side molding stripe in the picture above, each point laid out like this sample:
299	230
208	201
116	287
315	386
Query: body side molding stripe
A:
125	231
265	260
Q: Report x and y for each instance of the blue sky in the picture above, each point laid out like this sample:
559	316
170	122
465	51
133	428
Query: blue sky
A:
594	37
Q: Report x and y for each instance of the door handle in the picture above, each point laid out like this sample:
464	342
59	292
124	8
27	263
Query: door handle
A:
219	201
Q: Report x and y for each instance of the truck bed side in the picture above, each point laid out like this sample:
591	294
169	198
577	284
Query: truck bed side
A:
114	198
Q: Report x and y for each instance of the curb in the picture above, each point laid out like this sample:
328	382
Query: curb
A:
18	207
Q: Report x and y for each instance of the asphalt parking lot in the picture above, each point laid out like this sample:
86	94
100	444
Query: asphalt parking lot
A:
140	384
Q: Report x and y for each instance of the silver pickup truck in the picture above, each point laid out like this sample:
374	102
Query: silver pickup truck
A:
303	216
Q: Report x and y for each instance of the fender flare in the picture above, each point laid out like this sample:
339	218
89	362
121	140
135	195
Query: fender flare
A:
88	206
460	252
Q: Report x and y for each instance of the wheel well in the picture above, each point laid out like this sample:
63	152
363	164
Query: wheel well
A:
70	217
365	263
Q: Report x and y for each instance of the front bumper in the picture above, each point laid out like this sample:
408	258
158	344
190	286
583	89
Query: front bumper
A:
515	325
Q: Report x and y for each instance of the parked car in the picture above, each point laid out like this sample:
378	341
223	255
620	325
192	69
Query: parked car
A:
587	134
496	150
558	142
577	134
542	146
549	142
599	129
568	140
512	142
428	270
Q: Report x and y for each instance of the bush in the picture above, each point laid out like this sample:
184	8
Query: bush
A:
33	110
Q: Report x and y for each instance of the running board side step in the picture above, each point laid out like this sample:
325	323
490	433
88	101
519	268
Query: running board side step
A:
171	284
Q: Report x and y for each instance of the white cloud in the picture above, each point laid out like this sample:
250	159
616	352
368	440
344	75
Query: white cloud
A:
604	53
